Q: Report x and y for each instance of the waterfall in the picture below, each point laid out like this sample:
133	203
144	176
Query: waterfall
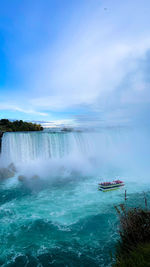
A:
24	147
112	151
86	152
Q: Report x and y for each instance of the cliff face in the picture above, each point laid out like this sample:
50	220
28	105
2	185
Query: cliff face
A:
1	134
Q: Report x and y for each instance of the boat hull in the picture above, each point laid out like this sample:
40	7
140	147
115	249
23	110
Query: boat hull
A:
105	188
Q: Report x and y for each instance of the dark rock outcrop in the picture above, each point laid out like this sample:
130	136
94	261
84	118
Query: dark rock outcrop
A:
12	167
35	177
7	172
1	134
21	178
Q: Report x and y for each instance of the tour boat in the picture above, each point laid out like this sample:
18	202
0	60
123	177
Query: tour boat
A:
108	186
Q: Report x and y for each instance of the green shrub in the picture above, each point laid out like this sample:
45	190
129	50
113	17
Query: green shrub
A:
133	248
139	257
134	228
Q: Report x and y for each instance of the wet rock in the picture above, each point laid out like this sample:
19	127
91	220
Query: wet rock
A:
12	167
21	178
35	177
1	134
6	173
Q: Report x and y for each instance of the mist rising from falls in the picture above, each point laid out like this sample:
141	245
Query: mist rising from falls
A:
107	153
32	146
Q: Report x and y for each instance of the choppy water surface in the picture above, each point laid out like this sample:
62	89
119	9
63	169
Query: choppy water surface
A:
60	224
60	218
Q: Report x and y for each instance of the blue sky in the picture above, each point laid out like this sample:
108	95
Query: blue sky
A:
75	61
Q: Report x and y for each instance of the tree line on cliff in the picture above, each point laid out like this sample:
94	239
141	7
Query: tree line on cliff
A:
18	125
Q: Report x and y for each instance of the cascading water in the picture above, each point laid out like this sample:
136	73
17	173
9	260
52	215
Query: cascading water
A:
23	147
58	154
108	148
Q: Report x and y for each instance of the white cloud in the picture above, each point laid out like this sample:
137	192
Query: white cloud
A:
4	106
59	123
89	77
85	70
93	63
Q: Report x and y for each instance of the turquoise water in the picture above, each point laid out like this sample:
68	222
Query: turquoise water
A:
62	219
67	223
